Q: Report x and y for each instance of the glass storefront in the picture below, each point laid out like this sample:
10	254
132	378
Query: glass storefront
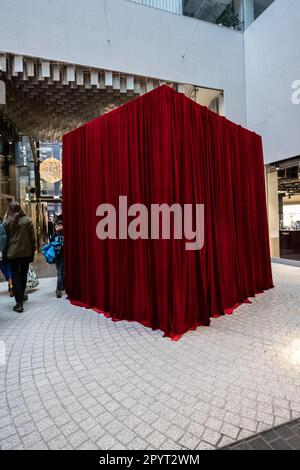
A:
8	186
283	186
50	193
20	180
7	179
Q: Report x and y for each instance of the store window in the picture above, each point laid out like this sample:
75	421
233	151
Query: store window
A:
8	184
49	151
25	176
283	188
291	215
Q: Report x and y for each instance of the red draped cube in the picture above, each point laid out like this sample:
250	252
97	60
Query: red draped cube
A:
164	148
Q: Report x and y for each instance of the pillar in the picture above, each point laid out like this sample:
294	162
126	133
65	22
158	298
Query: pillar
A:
245	9
273	212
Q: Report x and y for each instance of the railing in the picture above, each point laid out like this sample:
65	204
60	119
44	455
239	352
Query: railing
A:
235	14
224	12
173	6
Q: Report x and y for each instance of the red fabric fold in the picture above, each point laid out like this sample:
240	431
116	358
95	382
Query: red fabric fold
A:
164	148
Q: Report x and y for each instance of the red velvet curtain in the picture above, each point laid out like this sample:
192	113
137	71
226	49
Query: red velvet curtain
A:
164	148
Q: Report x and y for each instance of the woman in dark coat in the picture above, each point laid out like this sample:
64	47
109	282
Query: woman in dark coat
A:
21	246
4	266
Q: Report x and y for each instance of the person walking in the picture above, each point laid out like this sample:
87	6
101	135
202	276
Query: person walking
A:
21	246
58	237
4	266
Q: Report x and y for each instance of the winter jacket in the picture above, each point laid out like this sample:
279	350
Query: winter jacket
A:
21	242
3	238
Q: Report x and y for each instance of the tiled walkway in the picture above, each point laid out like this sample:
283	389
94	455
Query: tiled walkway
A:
76	380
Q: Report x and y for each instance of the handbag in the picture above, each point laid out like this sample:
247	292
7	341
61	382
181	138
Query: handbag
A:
32	279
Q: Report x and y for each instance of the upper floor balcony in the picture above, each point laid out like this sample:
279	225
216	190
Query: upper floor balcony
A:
235	14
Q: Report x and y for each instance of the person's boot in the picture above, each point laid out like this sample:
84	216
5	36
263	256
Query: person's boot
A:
58	294
11	292
18	308
25	298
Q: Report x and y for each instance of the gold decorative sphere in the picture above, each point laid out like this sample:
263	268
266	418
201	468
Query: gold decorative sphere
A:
51	170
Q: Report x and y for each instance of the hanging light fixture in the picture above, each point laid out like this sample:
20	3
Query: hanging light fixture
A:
51	170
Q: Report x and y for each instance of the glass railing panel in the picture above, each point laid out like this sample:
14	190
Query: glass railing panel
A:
235	14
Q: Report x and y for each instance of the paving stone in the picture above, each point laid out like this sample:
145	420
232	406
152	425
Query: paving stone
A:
138	444
270	436
77	439
242	446
280	444
175	433
10	443
40	445
50	433
31	439
69	429
230	431
205	446
225	441
45	424
89	445
294	442
143	430
214	424
156	439
196	429
119	447
161	425
284	432
212	437
171	445
57	443
106	442
6	421
125	436
189	441
26	429
6	432
259	444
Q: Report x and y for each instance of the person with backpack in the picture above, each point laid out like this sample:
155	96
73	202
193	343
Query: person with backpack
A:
4	266
57	241
21	246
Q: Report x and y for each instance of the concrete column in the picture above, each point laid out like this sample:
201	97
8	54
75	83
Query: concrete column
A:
221	105
245	8
273	213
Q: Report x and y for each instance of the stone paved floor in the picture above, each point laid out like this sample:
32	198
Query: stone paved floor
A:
76	380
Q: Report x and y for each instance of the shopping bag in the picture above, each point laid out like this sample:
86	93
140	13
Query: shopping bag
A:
32	279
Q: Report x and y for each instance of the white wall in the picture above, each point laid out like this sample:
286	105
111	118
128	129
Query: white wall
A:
143	41
272	54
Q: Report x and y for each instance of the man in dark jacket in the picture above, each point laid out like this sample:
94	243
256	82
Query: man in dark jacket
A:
21	246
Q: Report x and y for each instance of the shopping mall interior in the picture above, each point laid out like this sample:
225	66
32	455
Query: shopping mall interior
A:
73	378
44	100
